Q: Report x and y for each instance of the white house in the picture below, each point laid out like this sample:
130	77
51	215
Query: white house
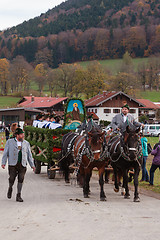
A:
108	104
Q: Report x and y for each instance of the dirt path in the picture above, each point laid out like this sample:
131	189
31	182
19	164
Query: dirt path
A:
51	212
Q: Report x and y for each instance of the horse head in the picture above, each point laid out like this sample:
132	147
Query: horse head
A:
96	139
131	141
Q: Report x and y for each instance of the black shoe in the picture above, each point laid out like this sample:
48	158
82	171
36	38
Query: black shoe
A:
18	198
9	194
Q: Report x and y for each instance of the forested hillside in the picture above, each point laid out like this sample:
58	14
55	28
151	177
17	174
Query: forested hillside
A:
80	30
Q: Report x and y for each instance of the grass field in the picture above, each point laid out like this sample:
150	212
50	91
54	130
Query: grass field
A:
114	64
8	101
153	96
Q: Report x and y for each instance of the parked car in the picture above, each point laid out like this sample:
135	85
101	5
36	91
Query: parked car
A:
152	130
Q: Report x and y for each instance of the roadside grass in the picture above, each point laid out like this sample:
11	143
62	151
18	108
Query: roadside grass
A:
156	186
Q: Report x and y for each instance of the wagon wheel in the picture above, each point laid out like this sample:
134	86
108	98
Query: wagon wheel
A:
38	166
51	174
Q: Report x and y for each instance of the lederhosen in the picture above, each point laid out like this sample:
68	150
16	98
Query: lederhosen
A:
17	170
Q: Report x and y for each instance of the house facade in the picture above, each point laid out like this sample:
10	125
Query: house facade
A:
150	109
19	115
108	104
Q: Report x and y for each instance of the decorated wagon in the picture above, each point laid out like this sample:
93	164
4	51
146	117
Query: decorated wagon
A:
46	143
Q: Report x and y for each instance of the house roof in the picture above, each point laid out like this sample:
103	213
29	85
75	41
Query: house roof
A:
20	108
148	104
40	102
101	98
95	117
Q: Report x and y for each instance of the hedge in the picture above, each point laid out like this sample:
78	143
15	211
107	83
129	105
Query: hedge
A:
44	140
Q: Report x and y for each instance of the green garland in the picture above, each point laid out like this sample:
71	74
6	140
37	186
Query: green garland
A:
66	107
43	138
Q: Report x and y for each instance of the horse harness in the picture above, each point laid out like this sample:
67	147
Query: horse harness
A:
113	145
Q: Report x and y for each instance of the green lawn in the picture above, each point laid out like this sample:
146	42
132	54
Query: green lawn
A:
113	64
8	101
156	187
153	96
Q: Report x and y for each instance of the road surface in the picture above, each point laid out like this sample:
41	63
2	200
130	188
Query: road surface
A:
53	211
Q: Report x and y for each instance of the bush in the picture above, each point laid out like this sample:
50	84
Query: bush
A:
104	123
42	142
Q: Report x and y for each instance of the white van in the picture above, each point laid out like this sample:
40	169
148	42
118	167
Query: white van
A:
152	130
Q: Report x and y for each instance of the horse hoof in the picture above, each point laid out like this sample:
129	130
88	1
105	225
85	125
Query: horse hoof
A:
103	199
136	199
126	196
86	196
116	189
67	181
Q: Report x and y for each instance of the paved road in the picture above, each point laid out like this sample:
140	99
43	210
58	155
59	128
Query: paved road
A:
50	212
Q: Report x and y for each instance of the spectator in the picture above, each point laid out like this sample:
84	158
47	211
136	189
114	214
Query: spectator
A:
145	176
7	132
14	126
155	162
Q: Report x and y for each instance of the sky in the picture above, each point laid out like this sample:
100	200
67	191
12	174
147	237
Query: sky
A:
14	12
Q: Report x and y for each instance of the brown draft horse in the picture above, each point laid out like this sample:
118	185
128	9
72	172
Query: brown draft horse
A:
89	157
126	154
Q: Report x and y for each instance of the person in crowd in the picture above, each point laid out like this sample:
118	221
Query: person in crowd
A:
156	161
51	120
17	151
56	124
7	132
120	120
14	126
145	176
44	121
39	118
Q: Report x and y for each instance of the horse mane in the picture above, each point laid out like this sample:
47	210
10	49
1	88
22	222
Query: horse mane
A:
95	135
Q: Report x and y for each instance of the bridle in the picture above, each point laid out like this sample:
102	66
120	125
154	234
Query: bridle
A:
124	149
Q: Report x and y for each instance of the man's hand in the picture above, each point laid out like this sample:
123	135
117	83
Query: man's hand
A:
33	169
3	166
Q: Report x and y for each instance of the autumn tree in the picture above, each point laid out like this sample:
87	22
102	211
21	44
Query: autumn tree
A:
125	82
142	75
153	73
4	76
41	76
53	78
20	74
95	79
66	78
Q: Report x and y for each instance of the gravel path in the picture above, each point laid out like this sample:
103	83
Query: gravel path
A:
54	211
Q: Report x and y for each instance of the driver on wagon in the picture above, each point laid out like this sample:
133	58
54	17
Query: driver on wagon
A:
121	120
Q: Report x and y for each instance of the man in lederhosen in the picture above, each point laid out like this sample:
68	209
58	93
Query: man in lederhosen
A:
18	152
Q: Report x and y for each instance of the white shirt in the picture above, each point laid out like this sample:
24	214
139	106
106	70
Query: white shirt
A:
19	143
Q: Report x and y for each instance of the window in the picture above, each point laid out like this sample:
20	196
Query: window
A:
132	111
95	110
116	110
152	127
107	110
158	127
